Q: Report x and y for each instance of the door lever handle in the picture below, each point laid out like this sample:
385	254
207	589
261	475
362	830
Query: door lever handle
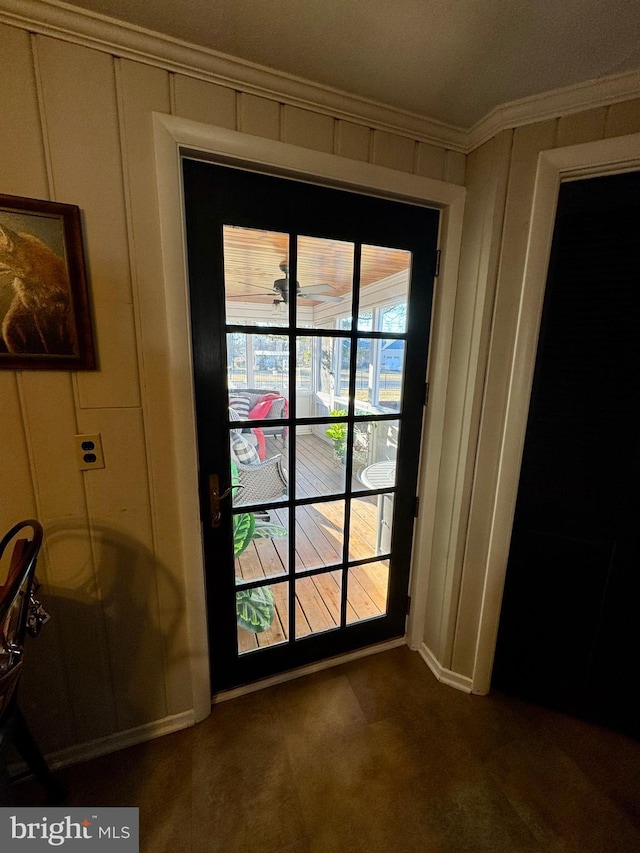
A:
215	497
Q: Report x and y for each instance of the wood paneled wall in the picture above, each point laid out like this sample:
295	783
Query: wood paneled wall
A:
500	184
75	127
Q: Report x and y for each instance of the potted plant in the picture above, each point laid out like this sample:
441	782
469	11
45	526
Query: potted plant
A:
338	434
255	608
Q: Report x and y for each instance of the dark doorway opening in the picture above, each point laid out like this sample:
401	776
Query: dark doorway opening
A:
568	633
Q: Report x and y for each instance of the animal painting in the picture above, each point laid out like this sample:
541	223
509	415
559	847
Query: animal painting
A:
39	319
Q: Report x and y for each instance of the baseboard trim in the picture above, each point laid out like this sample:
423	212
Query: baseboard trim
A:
149	731
446	676
311	668
112	743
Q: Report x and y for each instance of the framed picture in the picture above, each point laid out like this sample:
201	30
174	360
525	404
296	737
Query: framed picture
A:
45	320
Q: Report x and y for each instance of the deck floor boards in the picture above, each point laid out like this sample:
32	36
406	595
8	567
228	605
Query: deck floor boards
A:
319	543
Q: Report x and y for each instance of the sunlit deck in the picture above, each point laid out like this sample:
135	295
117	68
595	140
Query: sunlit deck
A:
319	543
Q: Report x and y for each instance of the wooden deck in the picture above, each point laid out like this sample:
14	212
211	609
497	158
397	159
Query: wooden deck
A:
319	543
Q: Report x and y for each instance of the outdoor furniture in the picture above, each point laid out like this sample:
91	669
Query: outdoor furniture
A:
261	481
19	613
244	400
379	475
382	475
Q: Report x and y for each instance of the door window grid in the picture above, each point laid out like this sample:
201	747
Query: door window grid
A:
374	321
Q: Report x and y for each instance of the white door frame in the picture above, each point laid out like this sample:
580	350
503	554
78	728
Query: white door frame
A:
174	136
621	154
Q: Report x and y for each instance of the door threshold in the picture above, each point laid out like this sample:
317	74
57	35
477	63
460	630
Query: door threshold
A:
301	671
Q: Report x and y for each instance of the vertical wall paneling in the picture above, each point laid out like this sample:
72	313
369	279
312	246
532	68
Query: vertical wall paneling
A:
45	667
352	140
44	671
455	167
430	161
581	127
259	116
528	141
22	165
477	199
51	416
79	122
143	90
497	510
46	699
126	566
72	596
393	151
22	172
622	119
17	500
206	102
308	129
483	211
72	592
80	107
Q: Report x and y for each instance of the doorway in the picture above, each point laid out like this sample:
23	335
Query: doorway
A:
310	315
567	636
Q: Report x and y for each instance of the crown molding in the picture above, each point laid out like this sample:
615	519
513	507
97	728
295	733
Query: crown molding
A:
99	32
69	23
558	102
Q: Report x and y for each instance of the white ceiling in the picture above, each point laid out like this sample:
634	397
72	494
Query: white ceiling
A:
450	60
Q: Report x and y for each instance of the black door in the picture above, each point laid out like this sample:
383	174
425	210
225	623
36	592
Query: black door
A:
568	632
310	314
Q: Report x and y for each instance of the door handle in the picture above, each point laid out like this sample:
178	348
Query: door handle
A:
215	497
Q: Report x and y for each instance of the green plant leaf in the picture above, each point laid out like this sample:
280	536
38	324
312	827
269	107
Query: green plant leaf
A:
255	609
338	432
244	525
265	530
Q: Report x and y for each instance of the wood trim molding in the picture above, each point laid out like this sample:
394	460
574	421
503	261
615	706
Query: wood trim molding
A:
281	158
559	102
99	32
446	676
312	668
175	135
606	156
112	743
69	23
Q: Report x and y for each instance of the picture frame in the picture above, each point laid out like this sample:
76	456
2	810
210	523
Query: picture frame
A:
45	316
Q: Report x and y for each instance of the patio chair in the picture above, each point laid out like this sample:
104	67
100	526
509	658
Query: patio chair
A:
244	400
261	481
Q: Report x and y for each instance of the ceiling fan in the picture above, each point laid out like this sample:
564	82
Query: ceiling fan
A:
281	289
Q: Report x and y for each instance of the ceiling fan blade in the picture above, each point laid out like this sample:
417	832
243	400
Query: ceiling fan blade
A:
320	297
266	293
267	287
316	288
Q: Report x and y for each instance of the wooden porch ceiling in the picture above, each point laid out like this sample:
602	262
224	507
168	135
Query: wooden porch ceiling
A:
252	258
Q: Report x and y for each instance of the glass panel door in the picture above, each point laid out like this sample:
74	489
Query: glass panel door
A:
315	420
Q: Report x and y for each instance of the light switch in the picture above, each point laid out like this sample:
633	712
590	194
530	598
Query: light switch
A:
89	451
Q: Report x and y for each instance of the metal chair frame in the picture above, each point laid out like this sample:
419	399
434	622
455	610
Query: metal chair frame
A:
15	600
